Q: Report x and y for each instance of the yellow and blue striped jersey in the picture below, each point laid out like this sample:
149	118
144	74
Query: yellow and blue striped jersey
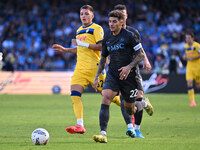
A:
91	34
192	51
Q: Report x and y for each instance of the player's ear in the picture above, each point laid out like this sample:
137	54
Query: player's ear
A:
92	15
122	21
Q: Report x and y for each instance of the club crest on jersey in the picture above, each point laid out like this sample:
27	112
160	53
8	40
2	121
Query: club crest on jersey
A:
121	40
115	47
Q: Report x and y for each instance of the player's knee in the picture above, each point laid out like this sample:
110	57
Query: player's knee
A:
189	84
106	99
75	96
198	85
129	110
140	94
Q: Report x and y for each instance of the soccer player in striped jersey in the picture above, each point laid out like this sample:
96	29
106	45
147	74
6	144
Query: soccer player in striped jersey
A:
88	40
192	54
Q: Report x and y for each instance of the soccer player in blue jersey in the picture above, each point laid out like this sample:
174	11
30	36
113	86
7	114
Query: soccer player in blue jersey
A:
147	66
125	51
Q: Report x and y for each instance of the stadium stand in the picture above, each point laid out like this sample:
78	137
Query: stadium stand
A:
29	28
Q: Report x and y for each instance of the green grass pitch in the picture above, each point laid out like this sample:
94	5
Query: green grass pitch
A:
173	126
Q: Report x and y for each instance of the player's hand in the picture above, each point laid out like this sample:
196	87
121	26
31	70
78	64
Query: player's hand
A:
58	47
124	72
74	42
95	83
146	65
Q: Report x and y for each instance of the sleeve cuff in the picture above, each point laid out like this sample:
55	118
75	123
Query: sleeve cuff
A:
99	41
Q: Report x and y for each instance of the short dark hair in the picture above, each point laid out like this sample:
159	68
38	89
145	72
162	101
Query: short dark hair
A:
89	7
120	7
190	33
116	13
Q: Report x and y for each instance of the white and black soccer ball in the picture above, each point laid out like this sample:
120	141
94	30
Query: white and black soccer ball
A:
40	136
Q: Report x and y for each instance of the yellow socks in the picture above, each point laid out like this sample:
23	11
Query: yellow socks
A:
77	104
117	101
191	94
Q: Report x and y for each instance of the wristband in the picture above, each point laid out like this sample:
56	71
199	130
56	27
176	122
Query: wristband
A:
83	44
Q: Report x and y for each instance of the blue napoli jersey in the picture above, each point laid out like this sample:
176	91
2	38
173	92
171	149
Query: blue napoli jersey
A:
120	48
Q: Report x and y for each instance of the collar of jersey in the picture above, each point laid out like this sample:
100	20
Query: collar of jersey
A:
87	25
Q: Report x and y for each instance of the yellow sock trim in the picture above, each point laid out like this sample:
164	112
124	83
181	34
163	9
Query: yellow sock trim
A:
77	106
191	95
117	101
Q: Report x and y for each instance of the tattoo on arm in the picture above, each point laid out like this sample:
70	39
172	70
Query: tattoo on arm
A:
102	64
145	56
139	56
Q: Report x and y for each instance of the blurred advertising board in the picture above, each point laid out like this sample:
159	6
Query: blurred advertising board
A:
35	82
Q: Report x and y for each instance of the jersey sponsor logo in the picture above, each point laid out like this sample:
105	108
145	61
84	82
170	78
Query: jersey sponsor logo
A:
189	52
81	38
115	47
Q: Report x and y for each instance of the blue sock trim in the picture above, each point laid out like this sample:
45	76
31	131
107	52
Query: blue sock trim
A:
190	88
75	93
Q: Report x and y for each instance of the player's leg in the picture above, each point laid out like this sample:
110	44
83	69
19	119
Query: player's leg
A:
108	96
78	84
190	76
129	119
116	99
198	85
197	79
191	93
138	116
76	91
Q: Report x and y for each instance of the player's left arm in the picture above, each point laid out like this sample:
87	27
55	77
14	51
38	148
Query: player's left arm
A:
102	63
146	63
101	67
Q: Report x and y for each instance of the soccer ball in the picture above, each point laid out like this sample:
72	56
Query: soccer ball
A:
40	136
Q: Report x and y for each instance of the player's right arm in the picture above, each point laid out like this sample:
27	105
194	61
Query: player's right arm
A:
60	48
96	47
101	67
102	64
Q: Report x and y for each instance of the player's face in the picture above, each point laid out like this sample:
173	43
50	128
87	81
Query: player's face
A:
115	24
189	39
86	16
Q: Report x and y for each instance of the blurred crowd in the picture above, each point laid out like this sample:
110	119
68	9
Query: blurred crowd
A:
28	28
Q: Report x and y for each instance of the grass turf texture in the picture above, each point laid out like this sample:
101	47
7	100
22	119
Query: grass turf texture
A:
174	125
